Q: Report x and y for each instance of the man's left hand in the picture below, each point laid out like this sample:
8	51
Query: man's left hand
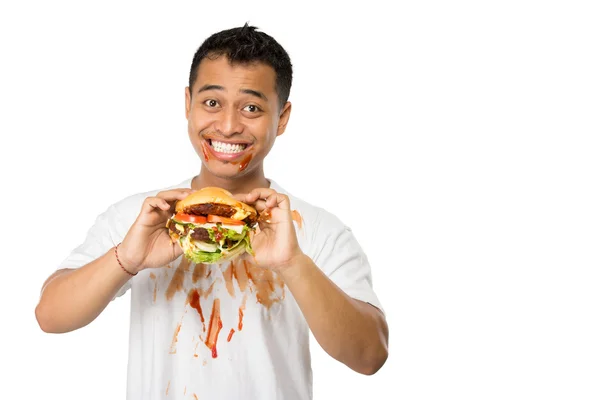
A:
275	244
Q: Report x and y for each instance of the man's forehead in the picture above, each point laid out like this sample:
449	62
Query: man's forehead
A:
222	72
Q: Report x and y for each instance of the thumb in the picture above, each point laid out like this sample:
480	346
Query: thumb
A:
240	197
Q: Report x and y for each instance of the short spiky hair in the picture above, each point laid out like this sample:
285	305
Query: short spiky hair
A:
247	45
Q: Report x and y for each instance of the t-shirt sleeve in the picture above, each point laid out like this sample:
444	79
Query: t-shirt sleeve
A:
341	258
100	238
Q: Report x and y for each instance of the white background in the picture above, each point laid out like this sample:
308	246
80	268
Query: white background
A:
459	140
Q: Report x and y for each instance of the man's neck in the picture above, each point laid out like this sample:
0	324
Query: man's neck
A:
243	184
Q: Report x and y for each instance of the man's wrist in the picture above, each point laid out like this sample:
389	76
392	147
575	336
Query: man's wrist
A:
294	268
123	262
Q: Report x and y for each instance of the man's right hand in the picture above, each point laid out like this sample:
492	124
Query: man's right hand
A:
147	243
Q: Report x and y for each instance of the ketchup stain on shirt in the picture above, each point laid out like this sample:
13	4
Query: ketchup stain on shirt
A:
228	276
231	332
241	312
240	273
194	301
214	327
297	218
268	285
178	278
199	272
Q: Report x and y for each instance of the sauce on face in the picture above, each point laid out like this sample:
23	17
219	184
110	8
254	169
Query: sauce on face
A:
204	151
245	162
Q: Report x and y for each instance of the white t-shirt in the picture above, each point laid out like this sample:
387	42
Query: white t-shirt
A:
229	331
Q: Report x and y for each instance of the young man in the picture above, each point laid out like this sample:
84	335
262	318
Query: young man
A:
238	329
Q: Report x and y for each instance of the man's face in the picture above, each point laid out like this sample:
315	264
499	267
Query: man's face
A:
234	116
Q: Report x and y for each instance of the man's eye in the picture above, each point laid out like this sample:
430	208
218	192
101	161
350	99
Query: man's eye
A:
251	108
211	103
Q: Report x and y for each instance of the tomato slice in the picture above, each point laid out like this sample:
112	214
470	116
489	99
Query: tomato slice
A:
193	219
224	220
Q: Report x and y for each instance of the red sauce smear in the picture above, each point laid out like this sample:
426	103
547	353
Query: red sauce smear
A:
196	350
214	327
176	283
297	218
208	291
231	332
194	300
174	341
199	271
241	312
204	151
266	283
240	272
245	162
228	275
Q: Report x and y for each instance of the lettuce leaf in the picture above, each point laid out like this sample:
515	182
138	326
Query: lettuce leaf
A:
248	245
204	257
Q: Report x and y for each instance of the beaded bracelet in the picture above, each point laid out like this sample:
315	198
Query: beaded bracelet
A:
119	261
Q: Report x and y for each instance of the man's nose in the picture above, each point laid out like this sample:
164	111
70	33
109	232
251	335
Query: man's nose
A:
229	122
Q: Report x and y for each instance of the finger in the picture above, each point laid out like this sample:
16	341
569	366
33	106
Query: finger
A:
152	203
176	194
260	205
259	193
273	198
241	197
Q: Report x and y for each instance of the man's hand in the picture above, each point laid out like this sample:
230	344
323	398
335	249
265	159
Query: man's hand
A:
275	245
148	244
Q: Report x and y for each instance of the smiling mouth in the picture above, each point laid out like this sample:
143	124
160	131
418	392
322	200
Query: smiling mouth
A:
227	148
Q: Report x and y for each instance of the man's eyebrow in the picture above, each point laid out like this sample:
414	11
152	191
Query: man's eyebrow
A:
210	87
254	93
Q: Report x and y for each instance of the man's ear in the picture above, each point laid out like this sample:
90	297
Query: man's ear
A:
284	117
188	102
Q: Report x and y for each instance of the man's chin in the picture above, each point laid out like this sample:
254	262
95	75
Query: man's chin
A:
226	170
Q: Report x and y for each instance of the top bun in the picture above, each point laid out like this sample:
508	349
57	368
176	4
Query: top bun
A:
217	195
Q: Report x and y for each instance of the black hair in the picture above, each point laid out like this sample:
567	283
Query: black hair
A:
247	45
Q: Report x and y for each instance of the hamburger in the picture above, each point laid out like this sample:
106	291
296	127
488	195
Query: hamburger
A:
211	226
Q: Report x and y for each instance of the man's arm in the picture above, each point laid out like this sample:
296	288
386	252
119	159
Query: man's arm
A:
72	298
351	331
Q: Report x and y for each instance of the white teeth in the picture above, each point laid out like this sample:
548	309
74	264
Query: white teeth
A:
229	148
